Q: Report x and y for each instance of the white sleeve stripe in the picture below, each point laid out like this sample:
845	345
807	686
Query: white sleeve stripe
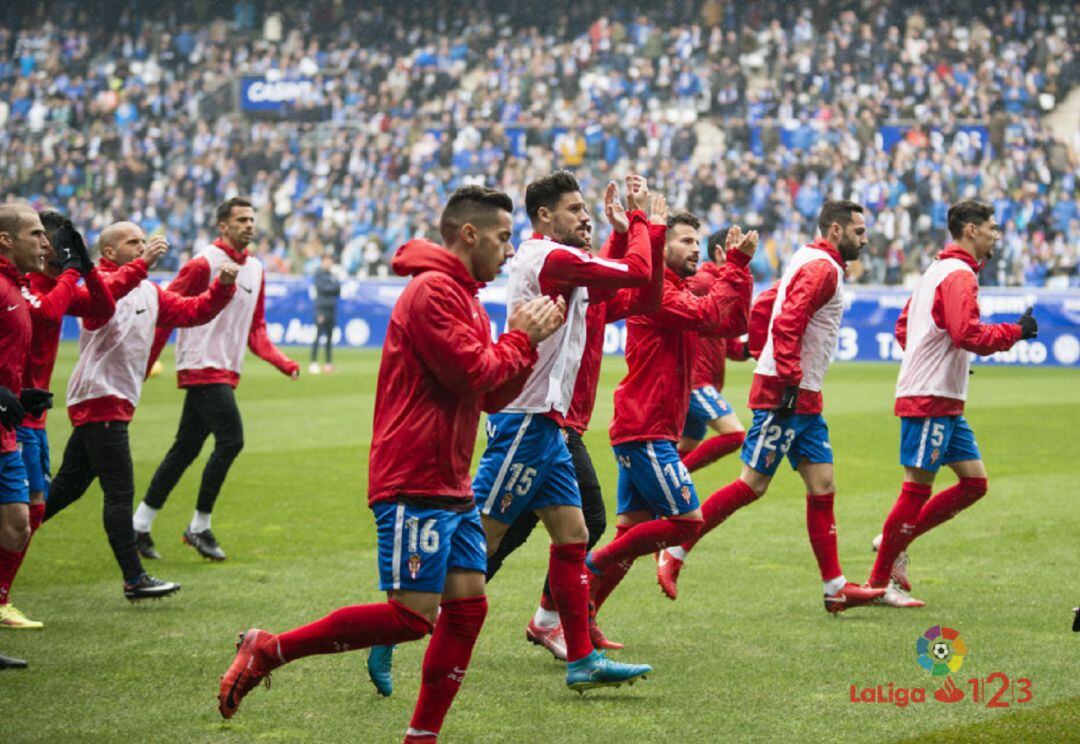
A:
589	258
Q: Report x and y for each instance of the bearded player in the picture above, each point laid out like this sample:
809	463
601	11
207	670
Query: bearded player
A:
439	369
787	403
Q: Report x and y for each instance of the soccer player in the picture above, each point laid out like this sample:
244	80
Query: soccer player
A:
708	409
105	387
657	504
786	399
209	360
439	369
23	243
50	293
939	329
527	465
544	629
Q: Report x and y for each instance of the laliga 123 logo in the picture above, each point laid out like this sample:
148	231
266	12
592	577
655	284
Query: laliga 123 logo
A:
940	651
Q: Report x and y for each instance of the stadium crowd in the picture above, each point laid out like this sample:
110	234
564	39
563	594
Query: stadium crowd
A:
742	112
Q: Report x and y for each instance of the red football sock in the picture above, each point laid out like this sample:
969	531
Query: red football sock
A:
37	516
899	530
570	589
9	565
950	502
446	659
821	527
720	506
644	538
713	449
600	586
349	628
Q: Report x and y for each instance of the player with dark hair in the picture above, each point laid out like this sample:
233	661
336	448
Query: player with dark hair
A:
439	369
657	504
209	360
544	628
51	293
939	329
785	397
708	409
527	465
105	387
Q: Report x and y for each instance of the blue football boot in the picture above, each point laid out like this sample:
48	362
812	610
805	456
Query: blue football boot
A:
380	663
595	670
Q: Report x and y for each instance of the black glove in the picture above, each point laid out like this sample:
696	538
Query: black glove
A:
71	249
11	410
35	401
788	401
1029	327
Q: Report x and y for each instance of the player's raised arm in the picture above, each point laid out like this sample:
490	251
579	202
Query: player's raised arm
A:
177	311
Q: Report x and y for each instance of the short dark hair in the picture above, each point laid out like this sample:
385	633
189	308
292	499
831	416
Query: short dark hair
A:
683	218
968	211
472	204
838	211
547	190
716	243
224	210
52	221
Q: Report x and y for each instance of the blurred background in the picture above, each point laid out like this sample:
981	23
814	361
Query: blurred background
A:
349	123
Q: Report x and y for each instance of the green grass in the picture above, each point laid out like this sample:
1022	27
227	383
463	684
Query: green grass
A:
746	654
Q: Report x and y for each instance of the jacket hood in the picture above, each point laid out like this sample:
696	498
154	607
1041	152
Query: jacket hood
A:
419	255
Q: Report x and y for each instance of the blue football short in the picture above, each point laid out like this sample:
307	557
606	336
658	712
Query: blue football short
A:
35	455
526	466
418	545
931	442
14	487
801	436
706	404
653	478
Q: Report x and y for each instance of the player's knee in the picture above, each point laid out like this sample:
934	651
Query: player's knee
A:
15	533
686	529
230	446
974	487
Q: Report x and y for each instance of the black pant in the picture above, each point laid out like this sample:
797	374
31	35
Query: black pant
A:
592	504
324	328
208	409
101	450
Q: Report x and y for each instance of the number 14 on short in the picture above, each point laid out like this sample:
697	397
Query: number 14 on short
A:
998	691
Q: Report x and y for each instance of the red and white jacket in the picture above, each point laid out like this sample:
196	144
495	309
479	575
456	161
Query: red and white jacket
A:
439	369
803	329
712	351
107	380
622	304
651	401
939	328
543	267
50	299
15	334
214	353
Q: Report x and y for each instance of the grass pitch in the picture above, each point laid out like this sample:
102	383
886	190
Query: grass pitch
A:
746	654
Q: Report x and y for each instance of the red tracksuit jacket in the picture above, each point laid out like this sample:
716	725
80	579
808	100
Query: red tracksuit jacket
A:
651	401
15	333
607	308
712	351
439	369
92	301
194	278
956	309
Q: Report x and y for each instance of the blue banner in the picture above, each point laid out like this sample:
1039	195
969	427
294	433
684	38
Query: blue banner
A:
866	334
